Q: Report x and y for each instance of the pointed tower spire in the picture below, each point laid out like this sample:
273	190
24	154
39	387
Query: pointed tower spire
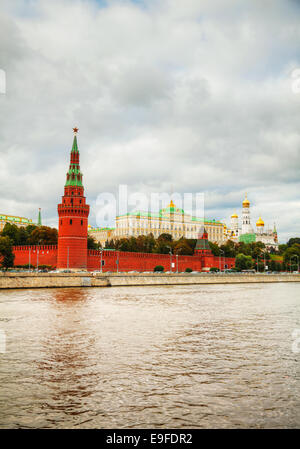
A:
74	146
39	218
74	175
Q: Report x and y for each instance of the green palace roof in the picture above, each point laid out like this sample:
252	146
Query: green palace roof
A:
15	219
165	213
101	229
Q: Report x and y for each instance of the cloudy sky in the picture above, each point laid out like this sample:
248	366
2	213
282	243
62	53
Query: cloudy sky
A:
190	96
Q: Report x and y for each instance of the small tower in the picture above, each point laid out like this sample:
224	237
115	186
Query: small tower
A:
260	226
73	215
275	234
39	223
202	245
246	224
234	223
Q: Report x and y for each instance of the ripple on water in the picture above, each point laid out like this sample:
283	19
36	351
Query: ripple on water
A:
182	356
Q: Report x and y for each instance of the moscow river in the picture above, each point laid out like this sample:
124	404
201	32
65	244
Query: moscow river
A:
137	357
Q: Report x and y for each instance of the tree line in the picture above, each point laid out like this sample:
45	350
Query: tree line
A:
253	255
248	255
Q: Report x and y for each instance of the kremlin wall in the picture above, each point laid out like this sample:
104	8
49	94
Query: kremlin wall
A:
72	253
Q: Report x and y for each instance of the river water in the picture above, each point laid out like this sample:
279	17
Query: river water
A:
138	357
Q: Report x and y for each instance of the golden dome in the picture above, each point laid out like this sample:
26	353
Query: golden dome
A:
246	202
171	204
260	222
235	215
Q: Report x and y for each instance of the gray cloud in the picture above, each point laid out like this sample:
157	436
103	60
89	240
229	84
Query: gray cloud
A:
191	94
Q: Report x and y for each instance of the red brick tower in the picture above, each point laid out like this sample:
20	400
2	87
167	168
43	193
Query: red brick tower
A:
73	215
202	245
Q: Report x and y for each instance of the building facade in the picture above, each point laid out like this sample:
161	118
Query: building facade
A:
169	220
18	221
72	253
246	233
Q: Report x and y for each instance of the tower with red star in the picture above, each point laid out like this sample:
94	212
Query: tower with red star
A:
73	215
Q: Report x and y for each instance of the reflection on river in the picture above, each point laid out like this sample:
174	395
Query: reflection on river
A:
174	356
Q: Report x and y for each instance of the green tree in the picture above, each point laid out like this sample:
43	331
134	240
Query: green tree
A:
163	244
30	228
43	235
243	262
110	244
7	256
290	253
293	240
282	248
92	243
22	236
11	231
214	248
229	249
182	247
192	243
165	237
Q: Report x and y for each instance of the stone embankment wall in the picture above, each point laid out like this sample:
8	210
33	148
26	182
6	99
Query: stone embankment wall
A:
45	280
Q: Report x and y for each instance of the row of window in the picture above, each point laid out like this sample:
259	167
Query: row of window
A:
71	222
64	201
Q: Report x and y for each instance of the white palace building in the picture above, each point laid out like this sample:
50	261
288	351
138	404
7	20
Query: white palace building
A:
169	220
246	233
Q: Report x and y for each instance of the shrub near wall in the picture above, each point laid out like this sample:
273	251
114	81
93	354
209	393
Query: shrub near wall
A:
158	268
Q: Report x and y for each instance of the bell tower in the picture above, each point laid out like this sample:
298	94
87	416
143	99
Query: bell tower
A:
73	215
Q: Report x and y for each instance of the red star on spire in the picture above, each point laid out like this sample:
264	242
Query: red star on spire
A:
75	130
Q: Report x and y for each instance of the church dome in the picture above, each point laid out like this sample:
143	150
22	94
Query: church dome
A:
260	222
246	202
235	215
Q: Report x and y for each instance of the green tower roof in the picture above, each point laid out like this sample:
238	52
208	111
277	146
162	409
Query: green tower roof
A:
74	175
202	242
75	146
39	223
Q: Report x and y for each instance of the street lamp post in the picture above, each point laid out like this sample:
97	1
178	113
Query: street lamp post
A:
220	260
170	252
29	257
37	256
118	262
101	250
177	261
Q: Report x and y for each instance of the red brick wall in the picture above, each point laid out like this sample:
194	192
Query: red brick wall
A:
127	261
46	255
146	262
